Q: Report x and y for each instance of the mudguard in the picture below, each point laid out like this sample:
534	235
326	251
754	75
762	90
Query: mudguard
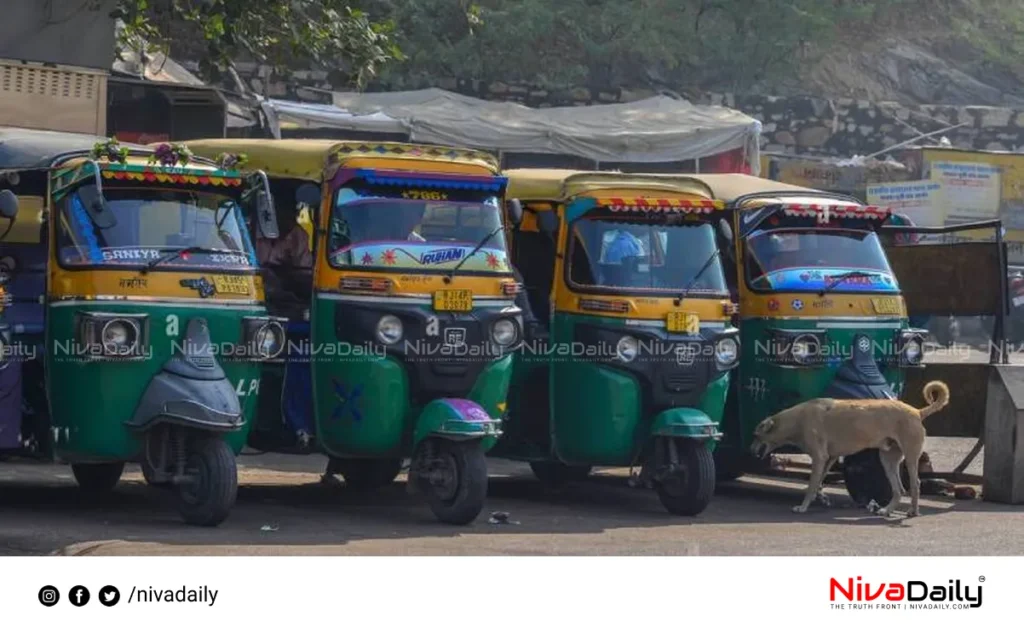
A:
685	422
191	389
455	419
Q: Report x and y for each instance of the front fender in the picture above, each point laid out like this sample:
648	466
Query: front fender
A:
456	419
210	405
687	423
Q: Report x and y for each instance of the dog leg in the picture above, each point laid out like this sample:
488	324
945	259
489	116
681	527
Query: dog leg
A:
891	457
814	485
821	497
915	485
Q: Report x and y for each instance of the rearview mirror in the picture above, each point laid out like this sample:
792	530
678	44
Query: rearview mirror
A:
263	205
515	212
725	229
8	204
548	222
96	206
308	195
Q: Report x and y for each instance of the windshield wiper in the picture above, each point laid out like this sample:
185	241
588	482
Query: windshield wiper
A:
186	250
838	279
693	282
487	238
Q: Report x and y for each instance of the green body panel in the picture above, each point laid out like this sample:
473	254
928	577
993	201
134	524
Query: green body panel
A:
596	411
91	400
362	403
765	388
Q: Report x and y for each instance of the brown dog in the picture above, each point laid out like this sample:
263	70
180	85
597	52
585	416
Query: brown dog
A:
828	429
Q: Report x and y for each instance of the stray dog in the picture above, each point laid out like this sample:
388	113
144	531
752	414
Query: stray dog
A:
828	429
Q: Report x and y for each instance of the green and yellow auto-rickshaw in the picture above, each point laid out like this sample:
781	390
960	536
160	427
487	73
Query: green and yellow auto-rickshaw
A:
820	309
136	326
628	361
411	313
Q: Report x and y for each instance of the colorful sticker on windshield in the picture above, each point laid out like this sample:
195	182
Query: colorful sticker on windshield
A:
424	255
839	279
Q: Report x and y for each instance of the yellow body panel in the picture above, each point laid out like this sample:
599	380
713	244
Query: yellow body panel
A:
644	308
565	184
84	284
758	305
329	280
140	161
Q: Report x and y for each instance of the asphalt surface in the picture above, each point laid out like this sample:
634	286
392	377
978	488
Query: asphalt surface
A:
283	509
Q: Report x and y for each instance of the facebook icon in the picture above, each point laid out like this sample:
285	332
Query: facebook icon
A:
79	596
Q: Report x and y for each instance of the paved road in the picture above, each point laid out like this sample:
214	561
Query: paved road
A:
283	510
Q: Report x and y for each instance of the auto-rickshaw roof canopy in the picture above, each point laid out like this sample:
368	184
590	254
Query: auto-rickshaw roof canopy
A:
563	184
306	159
23	148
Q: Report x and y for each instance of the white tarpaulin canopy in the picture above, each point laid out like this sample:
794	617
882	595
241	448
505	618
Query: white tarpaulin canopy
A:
655	130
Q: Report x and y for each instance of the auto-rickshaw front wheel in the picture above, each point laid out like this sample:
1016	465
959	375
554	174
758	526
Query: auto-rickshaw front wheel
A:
210	486
97	478
685	478
453	477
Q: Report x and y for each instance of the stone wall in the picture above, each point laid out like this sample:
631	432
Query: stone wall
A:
808	126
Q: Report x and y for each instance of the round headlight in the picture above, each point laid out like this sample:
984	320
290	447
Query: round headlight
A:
726	351
804	348
269	340
504	332
389	330
118	336
912	351
627	349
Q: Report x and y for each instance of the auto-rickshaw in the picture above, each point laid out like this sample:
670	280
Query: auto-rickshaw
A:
821	313
411	314
628	362
135	327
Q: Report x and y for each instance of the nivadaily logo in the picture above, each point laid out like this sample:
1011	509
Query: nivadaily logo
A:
913	594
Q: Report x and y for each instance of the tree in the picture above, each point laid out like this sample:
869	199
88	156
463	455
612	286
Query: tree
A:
326	34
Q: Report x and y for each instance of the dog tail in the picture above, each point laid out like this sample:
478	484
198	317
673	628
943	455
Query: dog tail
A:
936	394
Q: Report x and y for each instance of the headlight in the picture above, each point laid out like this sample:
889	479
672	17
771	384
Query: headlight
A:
627	349
269	340
912	352
504	332
389	330
726	351
119	336
804	348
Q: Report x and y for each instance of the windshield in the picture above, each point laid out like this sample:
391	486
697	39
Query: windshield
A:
151	222
644	256
808	259
423	235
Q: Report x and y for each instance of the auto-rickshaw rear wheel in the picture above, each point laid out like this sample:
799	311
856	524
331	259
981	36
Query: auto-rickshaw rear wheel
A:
685	478
556	474
210	485
367	474
453	477
97	478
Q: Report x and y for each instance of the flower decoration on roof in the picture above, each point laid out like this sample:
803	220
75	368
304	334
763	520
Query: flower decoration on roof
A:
109	150
231	162
171	154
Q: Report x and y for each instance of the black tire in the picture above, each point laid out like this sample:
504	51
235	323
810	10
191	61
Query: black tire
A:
865	479
367	474
688	491
97	478
460	498
208	500
556	474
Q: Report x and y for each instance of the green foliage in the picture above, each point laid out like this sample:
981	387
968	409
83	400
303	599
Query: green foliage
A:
320	33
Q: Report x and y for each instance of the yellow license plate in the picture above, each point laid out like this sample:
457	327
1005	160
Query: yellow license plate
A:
231	285
453	300
888	305
683	322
